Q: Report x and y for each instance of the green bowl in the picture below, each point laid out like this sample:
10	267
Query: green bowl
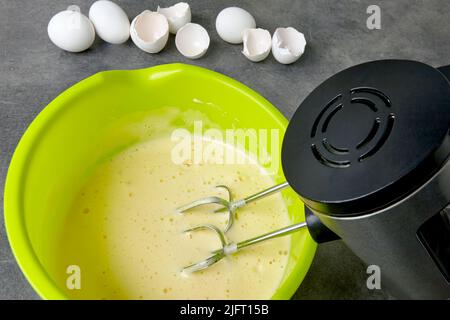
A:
103	115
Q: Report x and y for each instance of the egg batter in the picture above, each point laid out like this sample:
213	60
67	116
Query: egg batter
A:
125	236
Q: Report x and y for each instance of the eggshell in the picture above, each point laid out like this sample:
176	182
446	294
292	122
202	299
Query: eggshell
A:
192	40
288	45
70	30
110	21
177	15
257	44
150	31
231	23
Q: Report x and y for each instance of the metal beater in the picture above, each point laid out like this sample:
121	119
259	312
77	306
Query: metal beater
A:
231	206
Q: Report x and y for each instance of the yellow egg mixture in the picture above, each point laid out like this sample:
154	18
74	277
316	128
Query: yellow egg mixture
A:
125	236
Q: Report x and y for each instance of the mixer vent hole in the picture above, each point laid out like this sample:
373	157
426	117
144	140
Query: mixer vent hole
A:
375	92
332	149
371	135
366	102
330	116
328	162
321	114
384	137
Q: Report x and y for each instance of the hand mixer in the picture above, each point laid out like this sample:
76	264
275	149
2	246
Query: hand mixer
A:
368	152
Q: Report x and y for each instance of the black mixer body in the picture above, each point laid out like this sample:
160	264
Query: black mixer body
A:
368	152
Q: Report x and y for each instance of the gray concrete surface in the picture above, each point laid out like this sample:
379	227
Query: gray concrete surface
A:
33	72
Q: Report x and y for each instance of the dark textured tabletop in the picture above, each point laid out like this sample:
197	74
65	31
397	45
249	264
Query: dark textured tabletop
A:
33	71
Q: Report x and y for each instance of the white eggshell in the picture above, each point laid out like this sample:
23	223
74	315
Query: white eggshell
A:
71	31
288	45
177	15
231	23
110	21
192	40
150	31
257	44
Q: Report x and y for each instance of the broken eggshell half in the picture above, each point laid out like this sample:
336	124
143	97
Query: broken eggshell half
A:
288	45
192	40
177	15
150	31
257	44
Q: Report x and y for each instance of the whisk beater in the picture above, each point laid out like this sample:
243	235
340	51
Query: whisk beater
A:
229	248
231	205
